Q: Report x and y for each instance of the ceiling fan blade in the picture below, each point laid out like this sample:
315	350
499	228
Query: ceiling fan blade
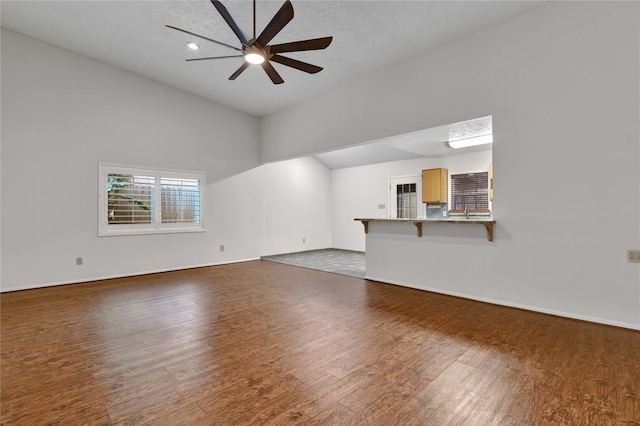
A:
243	67
272	73
213	57
203	37
299	46
294	63
279	20
229	20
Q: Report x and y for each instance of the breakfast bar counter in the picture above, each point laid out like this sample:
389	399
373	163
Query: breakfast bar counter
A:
488	223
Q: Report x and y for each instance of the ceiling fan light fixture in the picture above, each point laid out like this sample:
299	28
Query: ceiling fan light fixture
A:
467	142
254	58
191	45
257	50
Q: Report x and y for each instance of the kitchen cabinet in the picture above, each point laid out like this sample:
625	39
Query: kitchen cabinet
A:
435	186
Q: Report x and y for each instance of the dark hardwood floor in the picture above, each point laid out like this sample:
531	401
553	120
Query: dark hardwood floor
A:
266	343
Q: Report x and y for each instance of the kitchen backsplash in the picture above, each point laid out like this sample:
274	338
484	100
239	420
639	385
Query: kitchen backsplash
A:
435	212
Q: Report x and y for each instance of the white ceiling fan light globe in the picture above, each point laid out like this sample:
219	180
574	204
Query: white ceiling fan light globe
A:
254	58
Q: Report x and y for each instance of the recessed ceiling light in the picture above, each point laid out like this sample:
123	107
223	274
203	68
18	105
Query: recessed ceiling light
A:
193	46
476	140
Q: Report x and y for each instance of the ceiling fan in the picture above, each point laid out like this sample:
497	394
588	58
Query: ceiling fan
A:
258	51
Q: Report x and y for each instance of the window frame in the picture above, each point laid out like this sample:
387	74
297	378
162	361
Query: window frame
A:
489	198
156	226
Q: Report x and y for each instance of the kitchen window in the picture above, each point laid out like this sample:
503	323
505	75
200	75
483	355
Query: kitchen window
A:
136	200
470	193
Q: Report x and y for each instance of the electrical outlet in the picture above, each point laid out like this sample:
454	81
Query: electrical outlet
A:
444	213
633	256
79	261
221	247
304	240
382	206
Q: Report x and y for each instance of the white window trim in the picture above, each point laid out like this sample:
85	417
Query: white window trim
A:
401	180
156	227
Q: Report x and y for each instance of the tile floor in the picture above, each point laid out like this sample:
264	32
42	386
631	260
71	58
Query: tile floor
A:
345	262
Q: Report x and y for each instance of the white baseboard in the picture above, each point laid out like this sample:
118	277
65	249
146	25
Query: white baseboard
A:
509	304
135	274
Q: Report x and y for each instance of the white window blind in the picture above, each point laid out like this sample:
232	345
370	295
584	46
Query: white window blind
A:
180	200
136	200
130	199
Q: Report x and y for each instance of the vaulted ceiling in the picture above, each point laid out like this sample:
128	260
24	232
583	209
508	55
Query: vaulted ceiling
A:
368	35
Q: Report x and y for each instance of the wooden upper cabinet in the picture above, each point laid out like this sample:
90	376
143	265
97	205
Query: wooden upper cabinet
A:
435	186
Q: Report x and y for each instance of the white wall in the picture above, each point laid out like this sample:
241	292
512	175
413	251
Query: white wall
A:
63	113
297	196
561	82
357	191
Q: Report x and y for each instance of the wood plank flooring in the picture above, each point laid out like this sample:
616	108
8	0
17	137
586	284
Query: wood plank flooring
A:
266	343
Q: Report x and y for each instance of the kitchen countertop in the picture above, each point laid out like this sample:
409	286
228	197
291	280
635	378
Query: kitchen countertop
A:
450	219
483	220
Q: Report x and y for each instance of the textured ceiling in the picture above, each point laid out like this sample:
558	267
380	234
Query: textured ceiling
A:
425	143
368	35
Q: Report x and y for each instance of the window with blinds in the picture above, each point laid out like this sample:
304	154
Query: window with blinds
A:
470	191
130	199
180	200
141	201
